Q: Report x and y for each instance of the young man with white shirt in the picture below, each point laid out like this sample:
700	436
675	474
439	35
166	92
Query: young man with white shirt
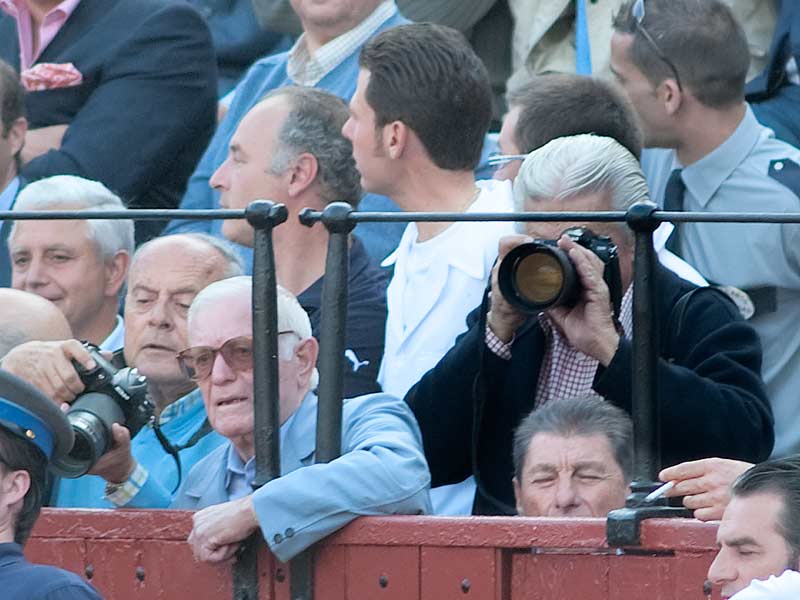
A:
81	267
13	127
417	122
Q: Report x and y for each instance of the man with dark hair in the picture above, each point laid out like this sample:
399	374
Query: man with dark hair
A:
13	127
558	105
573	458
32	431
759	535
417	122
289	148
683	64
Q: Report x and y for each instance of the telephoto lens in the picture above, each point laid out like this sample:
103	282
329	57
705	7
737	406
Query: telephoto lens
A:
539	275
536	276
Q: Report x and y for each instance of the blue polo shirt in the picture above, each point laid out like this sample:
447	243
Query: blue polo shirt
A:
366	320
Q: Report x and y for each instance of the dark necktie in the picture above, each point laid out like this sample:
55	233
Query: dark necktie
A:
673	201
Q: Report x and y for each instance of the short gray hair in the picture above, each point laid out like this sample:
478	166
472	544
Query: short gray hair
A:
292	317
63	192
571	167
234	265
583	415
314	125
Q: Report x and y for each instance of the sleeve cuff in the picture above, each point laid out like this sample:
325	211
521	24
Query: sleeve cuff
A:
497	346
120	494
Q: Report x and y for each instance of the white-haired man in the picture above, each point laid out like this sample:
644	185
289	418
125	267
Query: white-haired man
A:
713	400
165	275
382	469
80	266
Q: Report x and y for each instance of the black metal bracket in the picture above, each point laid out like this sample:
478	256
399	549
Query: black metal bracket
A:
263	214
640	217
624	525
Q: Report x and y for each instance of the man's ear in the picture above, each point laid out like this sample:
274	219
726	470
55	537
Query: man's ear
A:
671	95
395	139
16	135
517	496
14	486
301	174
116	272
306	353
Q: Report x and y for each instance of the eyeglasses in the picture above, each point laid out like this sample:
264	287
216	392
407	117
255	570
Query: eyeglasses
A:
637	11
197	362
497	160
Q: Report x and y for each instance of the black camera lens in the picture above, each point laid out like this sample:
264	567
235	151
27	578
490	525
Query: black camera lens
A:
91	418
537	276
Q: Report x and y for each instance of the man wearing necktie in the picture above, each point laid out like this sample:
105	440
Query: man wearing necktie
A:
683	64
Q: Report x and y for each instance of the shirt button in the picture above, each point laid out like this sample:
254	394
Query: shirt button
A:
278	538
779	166
289	532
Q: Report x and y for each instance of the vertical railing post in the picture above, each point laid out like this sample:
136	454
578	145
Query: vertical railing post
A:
263	216
336	219
644	387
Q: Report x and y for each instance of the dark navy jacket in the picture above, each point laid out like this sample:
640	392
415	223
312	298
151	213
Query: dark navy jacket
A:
21	580
785	43
366	320
713	401
146	108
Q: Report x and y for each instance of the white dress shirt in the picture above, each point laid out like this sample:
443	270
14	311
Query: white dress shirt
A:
436	284
115	339
784	587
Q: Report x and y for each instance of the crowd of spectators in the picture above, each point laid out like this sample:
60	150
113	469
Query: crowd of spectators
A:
457	400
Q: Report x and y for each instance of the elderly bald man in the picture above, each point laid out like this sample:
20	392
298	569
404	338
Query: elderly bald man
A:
26	317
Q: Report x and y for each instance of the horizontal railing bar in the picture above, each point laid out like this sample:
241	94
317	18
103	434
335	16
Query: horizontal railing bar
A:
144	214
407	217
607	216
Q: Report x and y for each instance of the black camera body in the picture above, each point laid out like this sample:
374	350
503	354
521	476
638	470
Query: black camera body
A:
539	275
111	396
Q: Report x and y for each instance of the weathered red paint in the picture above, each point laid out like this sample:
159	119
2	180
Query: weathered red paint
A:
143	555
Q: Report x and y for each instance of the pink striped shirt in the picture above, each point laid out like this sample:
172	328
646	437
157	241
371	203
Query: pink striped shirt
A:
51	24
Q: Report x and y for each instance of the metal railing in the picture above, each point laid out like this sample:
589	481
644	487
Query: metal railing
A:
339	219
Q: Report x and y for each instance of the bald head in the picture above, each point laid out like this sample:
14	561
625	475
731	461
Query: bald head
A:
26	317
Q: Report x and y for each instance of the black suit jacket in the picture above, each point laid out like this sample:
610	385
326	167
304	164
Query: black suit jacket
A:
785	43
713	401
146	109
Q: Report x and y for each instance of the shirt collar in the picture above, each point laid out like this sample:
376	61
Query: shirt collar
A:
17	7
181	406
115	339
704	177
8	195
306	69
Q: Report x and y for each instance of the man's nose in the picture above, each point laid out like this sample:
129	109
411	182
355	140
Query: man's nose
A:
221	372
36	275
566	496
159	315
722	569
219	179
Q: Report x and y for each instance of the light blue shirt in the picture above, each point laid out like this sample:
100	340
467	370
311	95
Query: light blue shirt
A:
8	194
115	339
179	422
743	174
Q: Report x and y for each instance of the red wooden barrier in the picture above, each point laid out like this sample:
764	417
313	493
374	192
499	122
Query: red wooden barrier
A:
143	555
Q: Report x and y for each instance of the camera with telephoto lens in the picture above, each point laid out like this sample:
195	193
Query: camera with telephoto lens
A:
539	275
111	396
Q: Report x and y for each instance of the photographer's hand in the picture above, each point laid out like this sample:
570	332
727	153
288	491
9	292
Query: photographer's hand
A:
503	319
116	465
48	366
589	325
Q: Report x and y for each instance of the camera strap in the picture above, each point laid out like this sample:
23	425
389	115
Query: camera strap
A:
173	450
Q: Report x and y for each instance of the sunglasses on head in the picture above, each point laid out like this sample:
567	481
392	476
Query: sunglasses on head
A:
637	11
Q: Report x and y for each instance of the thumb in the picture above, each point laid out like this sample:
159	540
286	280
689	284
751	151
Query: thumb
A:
122	437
